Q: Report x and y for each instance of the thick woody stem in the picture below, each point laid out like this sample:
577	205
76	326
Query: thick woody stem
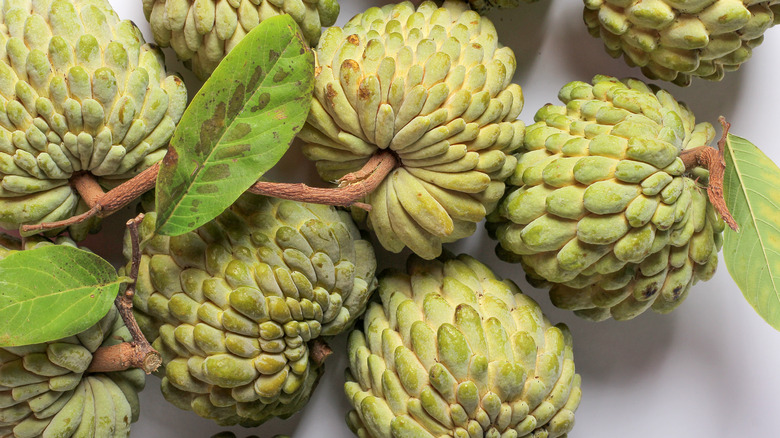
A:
714	161
138	353
352	187
102	204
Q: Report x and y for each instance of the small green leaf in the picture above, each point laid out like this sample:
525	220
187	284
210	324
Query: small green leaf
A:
752	255
237	127
52	292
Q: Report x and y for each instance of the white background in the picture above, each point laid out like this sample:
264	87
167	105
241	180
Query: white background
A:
710	369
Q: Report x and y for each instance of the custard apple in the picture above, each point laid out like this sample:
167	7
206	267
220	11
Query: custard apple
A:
45	390
82	92
232	306
453	351
601	205
202	32
674	40
432	86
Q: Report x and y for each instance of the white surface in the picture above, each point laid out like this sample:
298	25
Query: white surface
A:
710	369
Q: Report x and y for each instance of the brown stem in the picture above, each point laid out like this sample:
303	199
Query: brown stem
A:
138	353
88	187
352	187
104	204
319	350
714	161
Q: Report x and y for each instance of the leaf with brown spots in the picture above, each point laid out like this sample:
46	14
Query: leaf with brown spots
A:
52	292
237	127
751	187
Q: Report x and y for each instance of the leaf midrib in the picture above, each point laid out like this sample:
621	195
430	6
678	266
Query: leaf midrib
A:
743	189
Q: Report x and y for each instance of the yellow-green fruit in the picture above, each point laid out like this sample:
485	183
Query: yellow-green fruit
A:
454	351
82	92
233	305
601	204
46	391
202	32
675	40
432	86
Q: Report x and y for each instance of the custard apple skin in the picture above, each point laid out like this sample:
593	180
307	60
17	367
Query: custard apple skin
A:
232	306
82	92
202	32
484	6
432	86
455	351
45	390
677	40
601	207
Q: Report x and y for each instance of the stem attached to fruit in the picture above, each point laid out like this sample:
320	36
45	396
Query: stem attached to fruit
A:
138	353
102	204
352	187
714	161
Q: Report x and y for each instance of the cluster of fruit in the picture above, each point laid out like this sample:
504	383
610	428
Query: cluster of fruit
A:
593	199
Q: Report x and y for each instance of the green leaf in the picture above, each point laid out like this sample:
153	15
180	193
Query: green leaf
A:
752	255
237	127
52	292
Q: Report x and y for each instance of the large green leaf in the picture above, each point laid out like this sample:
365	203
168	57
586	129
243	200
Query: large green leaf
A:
752	255
52	292
237	127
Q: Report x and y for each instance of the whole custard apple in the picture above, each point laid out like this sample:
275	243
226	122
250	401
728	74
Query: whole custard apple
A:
82	92
46	390
432	86
202	32
454	351
601	207
233	307
676	40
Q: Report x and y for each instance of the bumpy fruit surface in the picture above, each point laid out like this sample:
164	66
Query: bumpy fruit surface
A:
432	86
675	40
202	32
454	351
82	92
233	305
602	206
45	392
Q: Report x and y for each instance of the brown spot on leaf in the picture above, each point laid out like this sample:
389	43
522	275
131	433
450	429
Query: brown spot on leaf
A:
233	151
171	157
236	102
262	102
206	189
273	55
216	172
280	76
211	129
257	76
280	114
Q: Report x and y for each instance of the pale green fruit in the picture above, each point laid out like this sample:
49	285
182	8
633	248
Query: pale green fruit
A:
675	40
45	390
601	205
82	92
202	32
232	306
432	86
453	351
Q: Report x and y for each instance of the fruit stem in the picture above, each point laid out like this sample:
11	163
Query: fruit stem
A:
319	350
138	353
352	187
714	161
102	204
